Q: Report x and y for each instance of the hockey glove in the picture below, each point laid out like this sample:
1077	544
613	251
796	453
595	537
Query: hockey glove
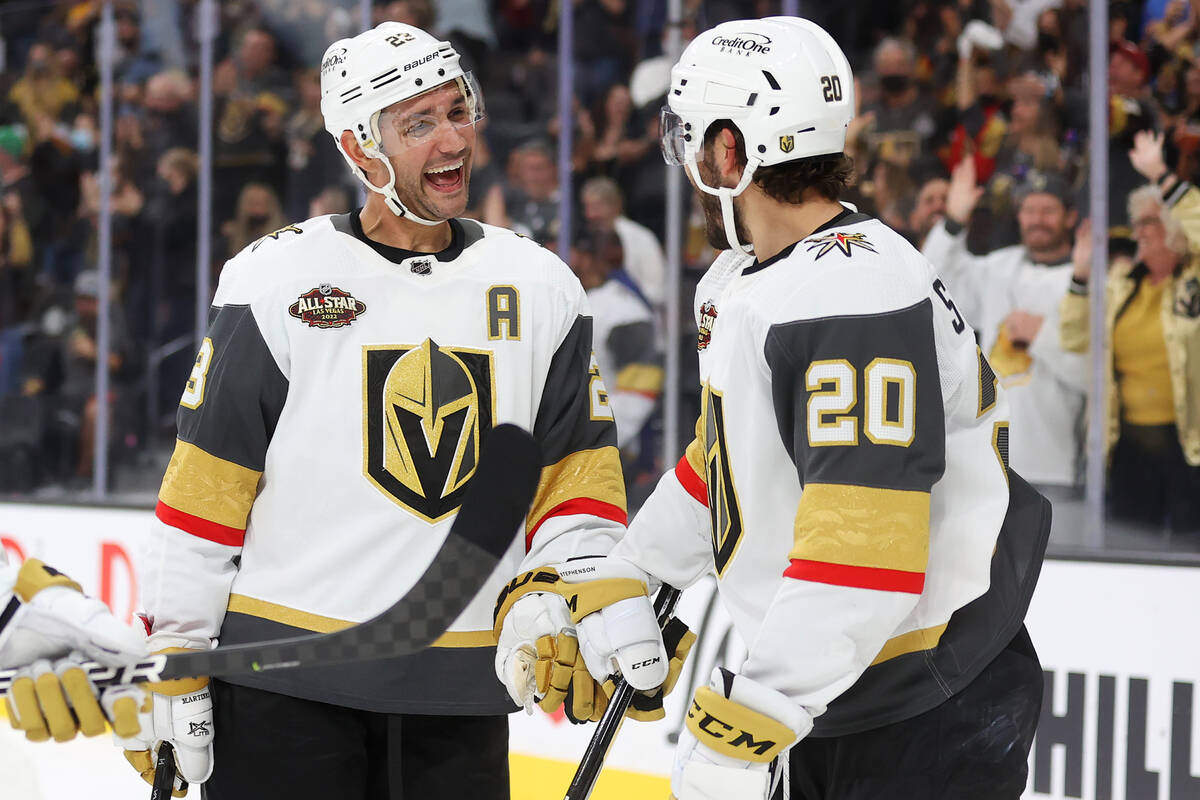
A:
736	734
538	660
50	627
180	712
48	616
565	630
57	699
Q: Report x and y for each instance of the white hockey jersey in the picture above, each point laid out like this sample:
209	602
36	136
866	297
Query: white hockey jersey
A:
627	353
848	484
331	424
1046	385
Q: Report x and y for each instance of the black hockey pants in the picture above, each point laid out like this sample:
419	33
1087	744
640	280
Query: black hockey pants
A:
270	746
974	746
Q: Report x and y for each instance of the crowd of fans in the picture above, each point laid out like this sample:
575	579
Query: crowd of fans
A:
970	139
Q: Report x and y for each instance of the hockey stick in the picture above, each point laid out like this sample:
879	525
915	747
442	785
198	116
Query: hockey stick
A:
606	729
164	774
495	503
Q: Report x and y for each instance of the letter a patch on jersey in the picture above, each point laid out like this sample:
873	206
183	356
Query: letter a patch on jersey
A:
425	410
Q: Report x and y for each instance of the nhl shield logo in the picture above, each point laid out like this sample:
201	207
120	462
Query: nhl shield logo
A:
787	143
426	409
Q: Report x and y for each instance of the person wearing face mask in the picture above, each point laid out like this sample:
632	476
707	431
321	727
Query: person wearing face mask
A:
258	213
902	118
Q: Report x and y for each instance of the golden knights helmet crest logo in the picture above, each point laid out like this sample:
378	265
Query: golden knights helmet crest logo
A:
427	408
787	143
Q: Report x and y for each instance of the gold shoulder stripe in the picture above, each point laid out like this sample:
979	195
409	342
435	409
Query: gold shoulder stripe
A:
296	618
695	450
862	526
641	378
198	483
590	474
911	642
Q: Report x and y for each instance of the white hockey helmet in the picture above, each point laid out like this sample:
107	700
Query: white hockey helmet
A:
363	75
783	82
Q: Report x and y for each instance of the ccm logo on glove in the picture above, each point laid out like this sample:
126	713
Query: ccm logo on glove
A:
734	730
647	662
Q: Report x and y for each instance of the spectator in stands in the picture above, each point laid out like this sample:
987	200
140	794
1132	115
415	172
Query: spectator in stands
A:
42	93
1010	297
54	191
331	200
258	213
623	333
16	288
252	94
1130	111
1152	344
168	113
644	261
929	208
621	138
1031	141
604	46
532	198
135	63
313	161
70	381
486	199
170	292
902	120
890	191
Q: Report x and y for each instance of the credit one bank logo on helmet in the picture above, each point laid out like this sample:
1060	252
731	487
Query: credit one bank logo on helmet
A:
743	44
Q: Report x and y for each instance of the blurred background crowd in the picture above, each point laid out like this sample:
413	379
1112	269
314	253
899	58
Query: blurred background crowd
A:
970	139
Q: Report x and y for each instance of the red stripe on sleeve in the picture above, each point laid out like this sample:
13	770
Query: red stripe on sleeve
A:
692	483
887	580
198	526
579	505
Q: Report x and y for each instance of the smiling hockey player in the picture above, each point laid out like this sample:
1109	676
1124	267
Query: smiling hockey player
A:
848	484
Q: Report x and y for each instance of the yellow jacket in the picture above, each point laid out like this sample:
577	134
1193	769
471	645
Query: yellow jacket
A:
1180	322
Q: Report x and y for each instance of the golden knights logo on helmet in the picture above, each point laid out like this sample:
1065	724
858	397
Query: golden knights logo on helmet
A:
426	409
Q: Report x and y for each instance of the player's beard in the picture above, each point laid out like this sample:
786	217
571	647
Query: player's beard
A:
714	221
424	202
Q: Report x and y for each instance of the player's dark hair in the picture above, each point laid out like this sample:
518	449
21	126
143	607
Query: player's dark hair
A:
828	175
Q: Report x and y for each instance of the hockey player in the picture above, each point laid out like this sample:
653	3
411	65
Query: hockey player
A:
848	485
47	627
353	367
626	349
1011	297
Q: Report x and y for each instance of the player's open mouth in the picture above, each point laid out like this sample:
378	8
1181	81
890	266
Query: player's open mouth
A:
446	179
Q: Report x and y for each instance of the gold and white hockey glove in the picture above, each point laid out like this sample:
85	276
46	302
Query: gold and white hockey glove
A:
564	630
47	628
178	711
736	734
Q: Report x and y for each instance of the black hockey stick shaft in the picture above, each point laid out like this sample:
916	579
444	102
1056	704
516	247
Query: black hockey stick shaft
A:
164	773
495	503
606	729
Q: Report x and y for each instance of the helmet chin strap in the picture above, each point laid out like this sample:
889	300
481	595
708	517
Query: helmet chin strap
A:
726	194
391	199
